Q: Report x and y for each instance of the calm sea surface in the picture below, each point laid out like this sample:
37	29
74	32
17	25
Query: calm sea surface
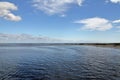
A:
59	63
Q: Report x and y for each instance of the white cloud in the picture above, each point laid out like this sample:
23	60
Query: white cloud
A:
116	21
96	23
55	6
5	11
115	1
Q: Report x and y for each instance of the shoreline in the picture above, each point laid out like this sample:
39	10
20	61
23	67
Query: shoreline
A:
109	45
106	46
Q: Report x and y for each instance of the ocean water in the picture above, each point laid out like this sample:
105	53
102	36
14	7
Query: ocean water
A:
59	63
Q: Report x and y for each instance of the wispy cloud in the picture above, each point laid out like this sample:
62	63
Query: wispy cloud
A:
118	27
116	21
5	11
52	7
115	1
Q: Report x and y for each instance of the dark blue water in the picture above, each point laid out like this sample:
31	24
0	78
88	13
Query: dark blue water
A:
59	63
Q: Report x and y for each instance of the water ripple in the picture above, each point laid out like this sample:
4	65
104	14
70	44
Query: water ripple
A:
59	63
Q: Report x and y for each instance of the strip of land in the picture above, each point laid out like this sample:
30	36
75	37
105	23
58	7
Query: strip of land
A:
111	45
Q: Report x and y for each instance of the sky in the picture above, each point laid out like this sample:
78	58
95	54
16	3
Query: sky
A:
60	21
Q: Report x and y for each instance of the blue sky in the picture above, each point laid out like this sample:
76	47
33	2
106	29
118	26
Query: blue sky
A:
80	20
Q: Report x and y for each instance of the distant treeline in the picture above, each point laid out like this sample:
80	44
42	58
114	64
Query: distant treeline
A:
93	43
45	44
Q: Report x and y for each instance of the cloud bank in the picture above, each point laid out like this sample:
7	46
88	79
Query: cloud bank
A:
5	11
26	38
55	6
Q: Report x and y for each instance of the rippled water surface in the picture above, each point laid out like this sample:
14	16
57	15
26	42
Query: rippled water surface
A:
59	63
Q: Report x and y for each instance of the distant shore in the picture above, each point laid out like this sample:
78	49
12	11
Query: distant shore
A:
111	45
